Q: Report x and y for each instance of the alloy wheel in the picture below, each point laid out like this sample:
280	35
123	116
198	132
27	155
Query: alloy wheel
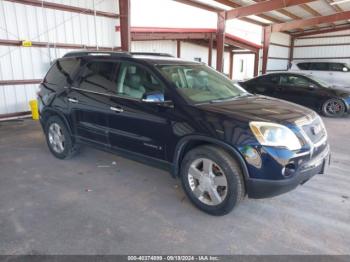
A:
207	181
56	138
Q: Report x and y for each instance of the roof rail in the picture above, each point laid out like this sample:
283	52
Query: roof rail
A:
97	53
151	54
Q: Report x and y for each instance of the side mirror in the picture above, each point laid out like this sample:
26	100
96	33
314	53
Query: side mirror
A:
156	98
312	86
152	97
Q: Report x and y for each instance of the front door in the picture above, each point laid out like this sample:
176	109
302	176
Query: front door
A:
136	125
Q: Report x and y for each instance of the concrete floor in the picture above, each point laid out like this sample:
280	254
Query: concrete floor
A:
90	205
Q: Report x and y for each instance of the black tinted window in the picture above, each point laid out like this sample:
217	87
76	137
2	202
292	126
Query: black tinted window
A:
99	76
320	66
294	81
270	79
304	66
340	67
134	81
62	72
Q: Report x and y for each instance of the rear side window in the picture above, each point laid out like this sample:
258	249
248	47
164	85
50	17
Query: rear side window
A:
320	66
62	72
99	76
304	66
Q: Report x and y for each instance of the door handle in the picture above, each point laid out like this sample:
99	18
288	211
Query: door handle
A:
73	100
117	109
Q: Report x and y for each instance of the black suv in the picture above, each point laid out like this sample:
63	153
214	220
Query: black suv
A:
223	142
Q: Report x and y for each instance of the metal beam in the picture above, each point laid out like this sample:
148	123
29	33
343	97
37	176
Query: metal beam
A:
323	31
200	5
230	73
256	63
210	50
236	5
220	41
124	10
262	7
62	7
135	36
310	21
210	8
178	48
266	46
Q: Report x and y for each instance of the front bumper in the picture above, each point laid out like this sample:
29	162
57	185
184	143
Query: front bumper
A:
264	188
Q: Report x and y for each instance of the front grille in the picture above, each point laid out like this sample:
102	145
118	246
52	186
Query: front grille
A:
314	129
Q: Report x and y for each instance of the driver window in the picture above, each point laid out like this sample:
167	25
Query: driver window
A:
294	81
134	81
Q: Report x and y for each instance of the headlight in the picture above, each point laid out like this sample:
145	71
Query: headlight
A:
271	134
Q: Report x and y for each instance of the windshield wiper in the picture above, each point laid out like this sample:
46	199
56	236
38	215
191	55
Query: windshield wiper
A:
229	98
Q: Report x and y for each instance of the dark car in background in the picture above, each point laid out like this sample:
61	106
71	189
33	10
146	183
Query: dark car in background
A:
221	141
304	90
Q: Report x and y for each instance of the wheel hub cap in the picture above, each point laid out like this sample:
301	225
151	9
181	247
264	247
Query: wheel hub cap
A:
207	181
56	138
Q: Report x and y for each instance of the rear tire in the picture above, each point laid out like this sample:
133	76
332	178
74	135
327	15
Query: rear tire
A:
212	180
59	139
333	108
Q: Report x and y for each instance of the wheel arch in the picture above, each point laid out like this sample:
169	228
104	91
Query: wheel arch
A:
190	142
49	112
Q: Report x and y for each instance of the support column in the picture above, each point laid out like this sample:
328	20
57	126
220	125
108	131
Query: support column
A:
291	51
124	13
178	48
266	45
220	41
210	50
256	63
231	64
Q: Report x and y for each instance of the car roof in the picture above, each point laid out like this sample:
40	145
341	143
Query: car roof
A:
153	58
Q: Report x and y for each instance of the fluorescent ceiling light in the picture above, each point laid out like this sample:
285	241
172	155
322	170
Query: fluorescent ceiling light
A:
339	2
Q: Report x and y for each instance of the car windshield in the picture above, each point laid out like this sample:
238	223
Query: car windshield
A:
201	84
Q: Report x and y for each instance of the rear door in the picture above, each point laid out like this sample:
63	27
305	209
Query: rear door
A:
340	74
89	100
265	85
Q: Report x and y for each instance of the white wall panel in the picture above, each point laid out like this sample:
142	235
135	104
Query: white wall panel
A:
279	48
164	46
26	22
277	65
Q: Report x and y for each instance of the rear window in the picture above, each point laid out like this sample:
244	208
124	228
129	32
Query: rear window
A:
62	72
304	66
339	67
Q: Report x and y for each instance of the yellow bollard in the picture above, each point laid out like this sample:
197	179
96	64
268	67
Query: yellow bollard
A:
34	107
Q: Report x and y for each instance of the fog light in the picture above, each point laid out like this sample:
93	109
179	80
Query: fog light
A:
288	170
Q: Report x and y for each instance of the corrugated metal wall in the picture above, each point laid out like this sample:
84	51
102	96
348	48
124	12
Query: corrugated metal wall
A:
331	47
26	22
278	52
190	51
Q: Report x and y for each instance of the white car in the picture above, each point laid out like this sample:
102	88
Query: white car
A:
335	73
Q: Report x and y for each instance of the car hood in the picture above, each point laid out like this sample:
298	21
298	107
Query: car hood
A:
259	108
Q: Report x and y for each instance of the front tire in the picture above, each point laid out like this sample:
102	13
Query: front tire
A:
333	108
59	139
212	180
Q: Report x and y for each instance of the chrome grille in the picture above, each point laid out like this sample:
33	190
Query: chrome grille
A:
313	129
